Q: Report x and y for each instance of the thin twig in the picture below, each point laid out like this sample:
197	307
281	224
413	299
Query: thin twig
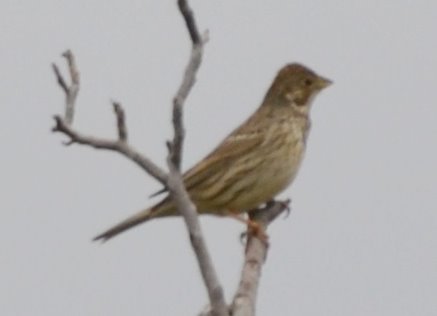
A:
118	146
64	124
121	122
256	252
71	90
60	78
188	16
187	83
179	100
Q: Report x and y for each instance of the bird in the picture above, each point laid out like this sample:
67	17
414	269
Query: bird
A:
255	162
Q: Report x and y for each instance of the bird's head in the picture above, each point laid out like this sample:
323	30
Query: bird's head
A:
295	85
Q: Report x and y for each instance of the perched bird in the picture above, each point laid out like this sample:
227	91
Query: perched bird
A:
256	161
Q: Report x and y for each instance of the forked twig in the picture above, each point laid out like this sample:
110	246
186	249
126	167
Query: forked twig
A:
71	90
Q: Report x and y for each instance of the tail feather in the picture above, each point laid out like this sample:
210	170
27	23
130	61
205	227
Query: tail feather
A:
130	222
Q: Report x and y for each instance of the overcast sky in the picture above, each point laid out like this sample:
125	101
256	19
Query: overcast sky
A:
362	236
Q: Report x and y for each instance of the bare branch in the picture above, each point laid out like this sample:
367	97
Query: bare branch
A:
60	78
256	252
74	73
188	210
72	90
121	123
63	125
175	184
118	146
187	83
188	15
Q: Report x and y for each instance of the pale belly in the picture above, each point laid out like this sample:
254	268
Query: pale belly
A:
271	178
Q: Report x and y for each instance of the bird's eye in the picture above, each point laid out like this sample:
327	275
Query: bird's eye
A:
308	82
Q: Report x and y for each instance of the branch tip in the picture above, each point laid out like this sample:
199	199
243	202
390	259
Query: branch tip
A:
67	54
71	90
59	78
188	16
121	121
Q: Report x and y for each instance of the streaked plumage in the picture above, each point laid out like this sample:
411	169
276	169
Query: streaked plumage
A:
256	161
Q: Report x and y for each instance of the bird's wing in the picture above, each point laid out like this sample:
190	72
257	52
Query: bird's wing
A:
220	158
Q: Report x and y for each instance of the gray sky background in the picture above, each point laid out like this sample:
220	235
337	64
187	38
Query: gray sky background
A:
362	236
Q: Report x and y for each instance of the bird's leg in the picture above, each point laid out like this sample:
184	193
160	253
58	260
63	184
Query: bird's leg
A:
253	227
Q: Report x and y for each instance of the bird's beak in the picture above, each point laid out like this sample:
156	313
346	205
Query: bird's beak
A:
322	83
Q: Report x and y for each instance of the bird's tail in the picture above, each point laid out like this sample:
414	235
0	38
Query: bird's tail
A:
160	210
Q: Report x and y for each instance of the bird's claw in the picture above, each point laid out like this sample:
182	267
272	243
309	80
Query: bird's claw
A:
286	205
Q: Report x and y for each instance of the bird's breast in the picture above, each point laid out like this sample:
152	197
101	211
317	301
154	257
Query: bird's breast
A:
280	158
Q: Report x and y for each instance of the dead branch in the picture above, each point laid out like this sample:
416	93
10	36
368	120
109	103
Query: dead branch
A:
120	146
244	301
172	180
71	90
175	184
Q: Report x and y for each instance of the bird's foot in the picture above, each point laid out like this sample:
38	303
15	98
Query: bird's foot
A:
253	228
256	230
